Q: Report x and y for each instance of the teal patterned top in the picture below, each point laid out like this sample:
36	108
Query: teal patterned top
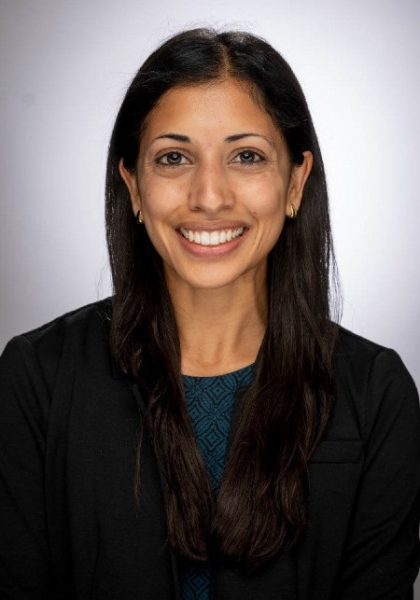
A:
210	402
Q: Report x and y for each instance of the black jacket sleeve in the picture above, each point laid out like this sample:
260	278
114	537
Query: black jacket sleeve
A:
24	398
382	551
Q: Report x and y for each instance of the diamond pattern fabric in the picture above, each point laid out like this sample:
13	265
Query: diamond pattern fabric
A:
210	403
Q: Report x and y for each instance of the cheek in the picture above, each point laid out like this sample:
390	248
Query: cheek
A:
266	202
158	199
159	203
265	206
265	195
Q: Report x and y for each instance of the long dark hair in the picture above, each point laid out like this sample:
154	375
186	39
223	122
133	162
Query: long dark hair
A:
260	507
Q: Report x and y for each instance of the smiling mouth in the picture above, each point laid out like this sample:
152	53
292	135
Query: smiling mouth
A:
211	238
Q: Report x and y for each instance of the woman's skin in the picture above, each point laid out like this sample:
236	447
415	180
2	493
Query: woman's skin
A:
212	160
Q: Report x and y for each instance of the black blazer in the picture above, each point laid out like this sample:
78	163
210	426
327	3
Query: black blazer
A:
69	528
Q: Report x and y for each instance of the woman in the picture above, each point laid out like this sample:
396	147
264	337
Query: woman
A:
209	432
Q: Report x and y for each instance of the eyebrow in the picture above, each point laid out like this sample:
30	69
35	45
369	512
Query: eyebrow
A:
173	136
231	138
239	136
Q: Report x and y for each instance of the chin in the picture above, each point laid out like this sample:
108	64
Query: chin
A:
212	278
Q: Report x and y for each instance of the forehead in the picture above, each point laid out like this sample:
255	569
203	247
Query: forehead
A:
224	106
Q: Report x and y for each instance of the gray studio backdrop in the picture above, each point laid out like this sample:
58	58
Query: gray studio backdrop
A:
64	68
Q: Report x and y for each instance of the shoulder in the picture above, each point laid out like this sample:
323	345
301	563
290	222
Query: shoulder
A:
374	380
351	344
61	339
72	324
364	361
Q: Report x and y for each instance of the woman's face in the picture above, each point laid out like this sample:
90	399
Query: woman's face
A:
214	184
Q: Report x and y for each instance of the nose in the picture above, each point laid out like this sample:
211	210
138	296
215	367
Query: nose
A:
209	190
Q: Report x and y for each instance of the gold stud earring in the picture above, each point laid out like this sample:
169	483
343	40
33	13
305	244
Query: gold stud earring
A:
293	212
139	218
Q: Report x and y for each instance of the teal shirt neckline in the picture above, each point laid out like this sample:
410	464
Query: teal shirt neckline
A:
210	401
236	373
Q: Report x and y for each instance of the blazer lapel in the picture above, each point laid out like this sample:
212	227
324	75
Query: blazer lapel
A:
174	568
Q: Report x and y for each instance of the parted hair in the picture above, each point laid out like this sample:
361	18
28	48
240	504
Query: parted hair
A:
260	508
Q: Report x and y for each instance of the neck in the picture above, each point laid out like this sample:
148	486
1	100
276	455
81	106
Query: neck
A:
221	329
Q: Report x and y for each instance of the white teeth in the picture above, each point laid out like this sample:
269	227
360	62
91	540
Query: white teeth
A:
214	238
205	238
211	238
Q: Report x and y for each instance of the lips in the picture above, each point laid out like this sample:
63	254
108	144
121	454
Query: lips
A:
213	237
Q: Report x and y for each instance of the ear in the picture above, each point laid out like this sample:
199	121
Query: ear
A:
130	180
298	178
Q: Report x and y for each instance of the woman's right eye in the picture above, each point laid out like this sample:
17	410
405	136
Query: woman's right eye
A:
171	159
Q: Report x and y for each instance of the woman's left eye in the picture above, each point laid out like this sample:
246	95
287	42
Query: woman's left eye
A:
248	157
